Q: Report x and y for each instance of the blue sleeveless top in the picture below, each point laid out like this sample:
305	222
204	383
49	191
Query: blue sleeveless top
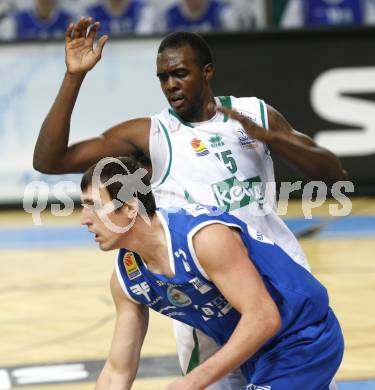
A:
30	26
209	20
125	23
324	12
192	298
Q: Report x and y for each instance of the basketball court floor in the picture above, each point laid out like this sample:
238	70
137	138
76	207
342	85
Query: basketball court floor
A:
56	314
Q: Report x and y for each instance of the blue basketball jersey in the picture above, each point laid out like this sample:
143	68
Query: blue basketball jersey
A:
192	298
333	12
30	26
125	23
209	20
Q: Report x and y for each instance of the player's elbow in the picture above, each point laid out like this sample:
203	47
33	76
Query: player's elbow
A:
274	323
43	167
271	320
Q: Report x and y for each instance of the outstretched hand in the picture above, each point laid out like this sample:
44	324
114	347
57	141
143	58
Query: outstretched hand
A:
80	53
252	129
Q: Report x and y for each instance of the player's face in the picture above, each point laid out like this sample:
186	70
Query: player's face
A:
195	5
46	4
184	82
100	220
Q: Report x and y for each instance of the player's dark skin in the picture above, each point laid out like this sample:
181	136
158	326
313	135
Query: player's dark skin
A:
186	85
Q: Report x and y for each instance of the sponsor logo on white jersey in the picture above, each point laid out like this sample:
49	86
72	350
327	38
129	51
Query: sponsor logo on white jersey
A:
199	147
216	141
245	141
232	193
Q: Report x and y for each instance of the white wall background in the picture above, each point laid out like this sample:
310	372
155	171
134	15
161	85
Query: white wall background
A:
123	85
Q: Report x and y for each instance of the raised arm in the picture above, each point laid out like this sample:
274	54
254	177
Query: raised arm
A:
52	154
121	365
241	284
297	149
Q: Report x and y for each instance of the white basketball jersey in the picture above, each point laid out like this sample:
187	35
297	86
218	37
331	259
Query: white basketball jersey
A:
217	163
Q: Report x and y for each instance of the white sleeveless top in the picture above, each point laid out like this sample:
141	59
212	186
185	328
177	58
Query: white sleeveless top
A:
217	163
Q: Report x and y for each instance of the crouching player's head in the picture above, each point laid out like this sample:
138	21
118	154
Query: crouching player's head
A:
116	196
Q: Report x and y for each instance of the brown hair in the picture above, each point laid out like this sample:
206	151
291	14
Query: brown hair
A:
113	168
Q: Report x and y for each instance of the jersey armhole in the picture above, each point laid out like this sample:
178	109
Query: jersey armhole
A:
191	246
161	149
122	283
263	113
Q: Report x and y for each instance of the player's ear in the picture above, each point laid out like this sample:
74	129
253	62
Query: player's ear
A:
132	208
208	71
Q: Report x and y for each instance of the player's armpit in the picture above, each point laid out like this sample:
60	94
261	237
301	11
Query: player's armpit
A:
127	138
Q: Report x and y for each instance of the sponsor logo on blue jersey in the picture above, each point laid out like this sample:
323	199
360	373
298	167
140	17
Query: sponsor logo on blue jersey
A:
177	297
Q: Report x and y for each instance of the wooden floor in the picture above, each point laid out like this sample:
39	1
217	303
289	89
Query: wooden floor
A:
55	304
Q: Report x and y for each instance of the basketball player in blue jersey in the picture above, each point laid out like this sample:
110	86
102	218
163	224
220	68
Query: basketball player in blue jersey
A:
200	138
268	314
197	15
45	20
117	16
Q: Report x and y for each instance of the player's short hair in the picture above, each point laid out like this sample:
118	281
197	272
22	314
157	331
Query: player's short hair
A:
110	170
196	42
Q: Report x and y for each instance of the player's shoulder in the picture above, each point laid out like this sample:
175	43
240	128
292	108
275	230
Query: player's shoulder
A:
23	14
65	14
192	215
95	8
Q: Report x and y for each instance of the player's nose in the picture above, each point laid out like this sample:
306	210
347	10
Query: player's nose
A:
85	218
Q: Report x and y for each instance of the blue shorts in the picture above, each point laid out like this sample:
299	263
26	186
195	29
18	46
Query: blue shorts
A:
306	360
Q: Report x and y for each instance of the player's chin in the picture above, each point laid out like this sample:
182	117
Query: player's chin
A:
105	246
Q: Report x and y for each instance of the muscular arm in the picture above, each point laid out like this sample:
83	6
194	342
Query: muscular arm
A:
240	283
131	326
301	151
52	153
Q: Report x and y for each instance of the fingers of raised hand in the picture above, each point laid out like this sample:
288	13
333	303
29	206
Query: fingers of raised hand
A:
100	44
80	29
68	32
235	115
93	29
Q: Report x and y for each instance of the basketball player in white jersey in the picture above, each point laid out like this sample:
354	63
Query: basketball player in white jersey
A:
195	151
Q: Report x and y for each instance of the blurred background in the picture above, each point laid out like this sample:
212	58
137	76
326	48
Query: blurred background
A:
313	60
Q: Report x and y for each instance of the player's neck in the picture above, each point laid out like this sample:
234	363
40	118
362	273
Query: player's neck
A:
194	12
44	13
205	111
150	243
117	7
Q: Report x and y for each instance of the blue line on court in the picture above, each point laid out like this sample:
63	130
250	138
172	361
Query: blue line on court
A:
356	385
43	237
78	236
356	226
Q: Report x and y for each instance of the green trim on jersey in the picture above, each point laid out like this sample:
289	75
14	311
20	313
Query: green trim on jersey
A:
194	358
224	100
263	113
227	103
174	113
170	154
189	198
